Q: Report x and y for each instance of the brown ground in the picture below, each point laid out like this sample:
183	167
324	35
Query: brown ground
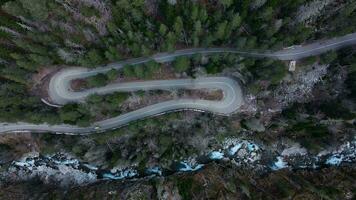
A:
78	84
41	81
152	97
204	94
18	144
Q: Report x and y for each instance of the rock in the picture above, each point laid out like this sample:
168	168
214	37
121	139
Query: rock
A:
242	153
172	2
255	125
204	60
167	191
295	149
255	4
96	156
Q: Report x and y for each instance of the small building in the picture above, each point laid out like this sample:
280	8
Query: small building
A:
292	64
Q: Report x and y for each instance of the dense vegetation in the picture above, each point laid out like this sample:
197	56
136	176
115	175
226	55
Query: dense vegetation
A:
41	34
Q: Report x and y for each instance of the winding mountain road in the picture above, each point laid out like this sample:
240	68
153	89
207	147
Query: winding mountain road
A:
61	93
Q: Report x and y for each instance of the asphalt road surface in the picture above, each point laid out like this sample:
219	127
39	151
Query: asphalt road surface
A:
61	93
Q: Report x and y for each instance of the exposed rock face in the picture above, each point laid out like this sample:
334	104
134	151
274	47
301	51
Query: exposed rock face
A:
301	89
311	10
255	4
19	144
295	149
57	169
96	156
255	125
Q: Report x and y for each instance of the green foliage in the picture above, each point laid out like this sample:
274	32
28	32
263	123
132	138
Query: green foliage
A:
91	59
251	42
69	114
335	110
236	21
221	31
79	150
104	137
27	65
40	60
332	109
112	74
267	14
19	75
15	105
36	9
142	71
348	10
170	41
112	54
106	105
128	71
351	84
217	63
152	66
184	188
97	80
226	3
212	68
178	25
74	114
47	28
95	98
181	64
329	57
291	111
254	88
267	69
187	187
241	42
139	71
311	135
14	8
117	98
89	11
310	60
163	30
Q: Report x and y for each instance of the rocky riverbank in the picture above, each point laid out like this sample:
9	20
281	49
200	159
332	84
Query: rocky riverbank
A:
65	171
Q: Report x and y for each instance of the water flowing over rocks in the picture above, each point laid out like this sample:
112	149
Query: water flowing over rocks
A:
66	171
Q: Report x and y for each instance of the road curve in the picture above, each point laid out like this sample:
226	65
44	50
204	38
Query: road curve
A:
231	100
60	91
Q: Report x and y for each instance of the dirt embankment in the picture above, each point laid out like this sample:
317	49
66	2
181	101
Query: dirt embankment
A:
41	82
14	145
